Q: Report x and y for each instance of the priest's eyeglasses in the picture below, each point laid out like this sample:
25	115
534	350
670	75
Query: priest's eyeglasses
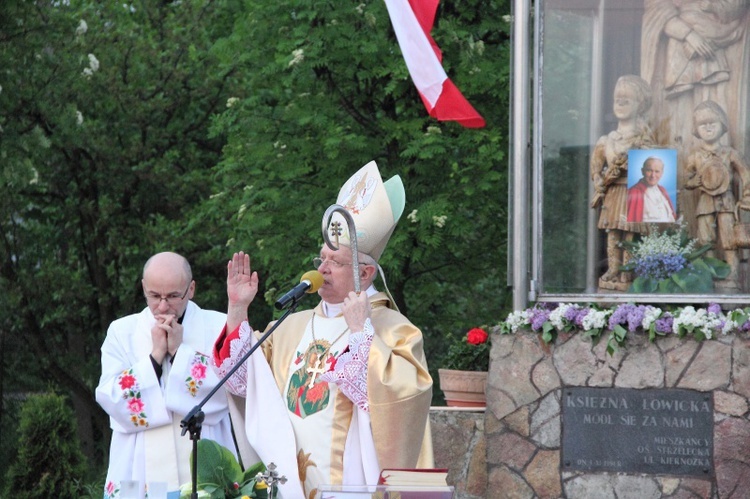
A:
171	299
317	262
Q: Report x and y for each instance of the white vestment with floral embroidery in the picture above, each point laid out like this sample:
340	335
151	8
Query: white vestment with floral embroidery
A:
145	412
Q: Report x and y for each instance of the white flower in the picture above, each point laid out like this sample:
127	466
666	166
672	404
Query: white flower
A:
649	316
79	118
729	326
232	101
93	62
701	320
241	211
298	56
87	72
557	316
595	319
412	216
662	243
518	319
82	28
439	221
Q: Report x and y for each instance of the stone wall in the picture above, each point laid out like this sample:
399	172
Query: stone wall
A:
459	445
522	423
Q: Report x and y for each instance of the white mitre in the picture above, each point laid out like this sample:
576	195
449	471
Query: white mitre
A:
375	207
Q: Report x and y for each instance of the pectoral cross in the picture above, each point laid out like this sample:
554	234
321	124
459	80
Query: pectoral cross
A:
314	371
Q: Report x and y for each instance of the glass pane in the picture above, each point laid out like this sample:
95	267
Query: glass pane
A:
644	106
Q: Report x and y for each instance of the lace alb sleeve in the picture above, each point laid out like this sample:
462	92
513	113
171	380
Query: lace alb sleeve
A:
350	371
238	346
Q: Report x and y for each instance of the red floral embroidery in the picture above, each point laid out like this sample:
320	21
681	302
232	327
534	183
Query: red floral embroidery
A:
127	381
135	405
111	490
198	369
131	393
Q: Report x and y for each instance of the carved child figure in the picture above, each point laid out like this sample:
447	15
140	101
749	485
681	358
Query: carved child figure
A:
609	168
720	175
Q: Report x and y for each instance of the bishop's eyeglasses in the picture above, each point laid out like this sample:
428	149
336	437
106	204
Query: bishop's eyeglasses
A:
317	262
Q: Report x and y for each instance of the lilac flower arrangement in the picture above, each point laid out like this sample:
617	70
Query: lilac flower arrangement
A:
669	262
627	318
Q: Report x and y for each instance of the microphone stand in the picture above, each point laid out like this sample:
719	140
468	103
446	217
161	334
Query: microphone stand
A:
193	420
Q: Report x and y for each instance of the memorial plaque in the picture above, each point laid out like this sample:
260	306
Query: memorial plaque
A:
657	431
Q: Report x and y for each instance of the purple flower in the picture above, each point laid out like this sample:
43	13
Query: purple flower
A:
570	314
580	315
620	315
745	327
635	317
537	318
660	266
663	325
714	308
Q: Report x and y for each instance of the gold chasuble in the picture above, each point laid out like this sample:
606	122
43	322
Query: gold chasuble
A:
325	421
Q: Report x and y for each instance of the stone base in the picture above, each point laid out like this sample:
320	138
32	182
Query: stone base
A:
524	417
613	285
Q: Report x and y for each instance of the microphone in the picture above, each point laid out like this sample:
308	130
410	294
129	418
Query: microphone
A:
310	282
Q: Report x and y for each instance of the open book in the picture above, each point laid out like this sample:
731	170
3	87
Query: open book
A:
417	477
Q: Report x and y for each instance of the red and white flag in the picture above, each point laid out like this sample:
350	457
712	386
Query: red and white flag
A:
412	21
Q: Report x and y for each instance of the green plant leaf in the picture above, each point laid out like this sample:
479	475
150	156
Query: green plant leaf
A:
698	252
216	465
695	280
668	286
252	471
619	333
644	284
719	268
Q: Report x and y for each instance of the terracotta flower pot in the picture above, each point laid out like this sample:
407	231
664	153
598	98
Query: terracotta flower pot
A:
463	388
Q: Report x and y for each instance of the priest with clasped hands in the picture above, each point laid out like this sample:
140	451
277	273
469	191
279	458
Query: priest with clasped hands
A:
340	392
155	369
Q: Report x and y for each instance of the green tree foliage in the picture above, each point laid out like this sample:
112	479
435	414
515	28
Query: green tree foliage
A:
104	112
325	91
50	462
206	127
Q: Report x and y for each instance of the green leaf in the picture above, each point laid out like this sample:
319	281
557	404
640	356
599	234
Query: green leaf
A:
698	252
253	470
668	286
697	280
644	284
719	268
216	465
547	336
619	333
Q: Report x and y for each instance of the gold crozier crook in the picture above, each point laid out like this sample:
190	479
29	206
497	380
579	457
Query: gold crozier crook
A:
336	232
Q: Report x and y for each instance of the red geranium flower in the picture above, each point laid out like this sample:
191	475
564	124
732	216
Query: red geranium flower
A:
476	336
